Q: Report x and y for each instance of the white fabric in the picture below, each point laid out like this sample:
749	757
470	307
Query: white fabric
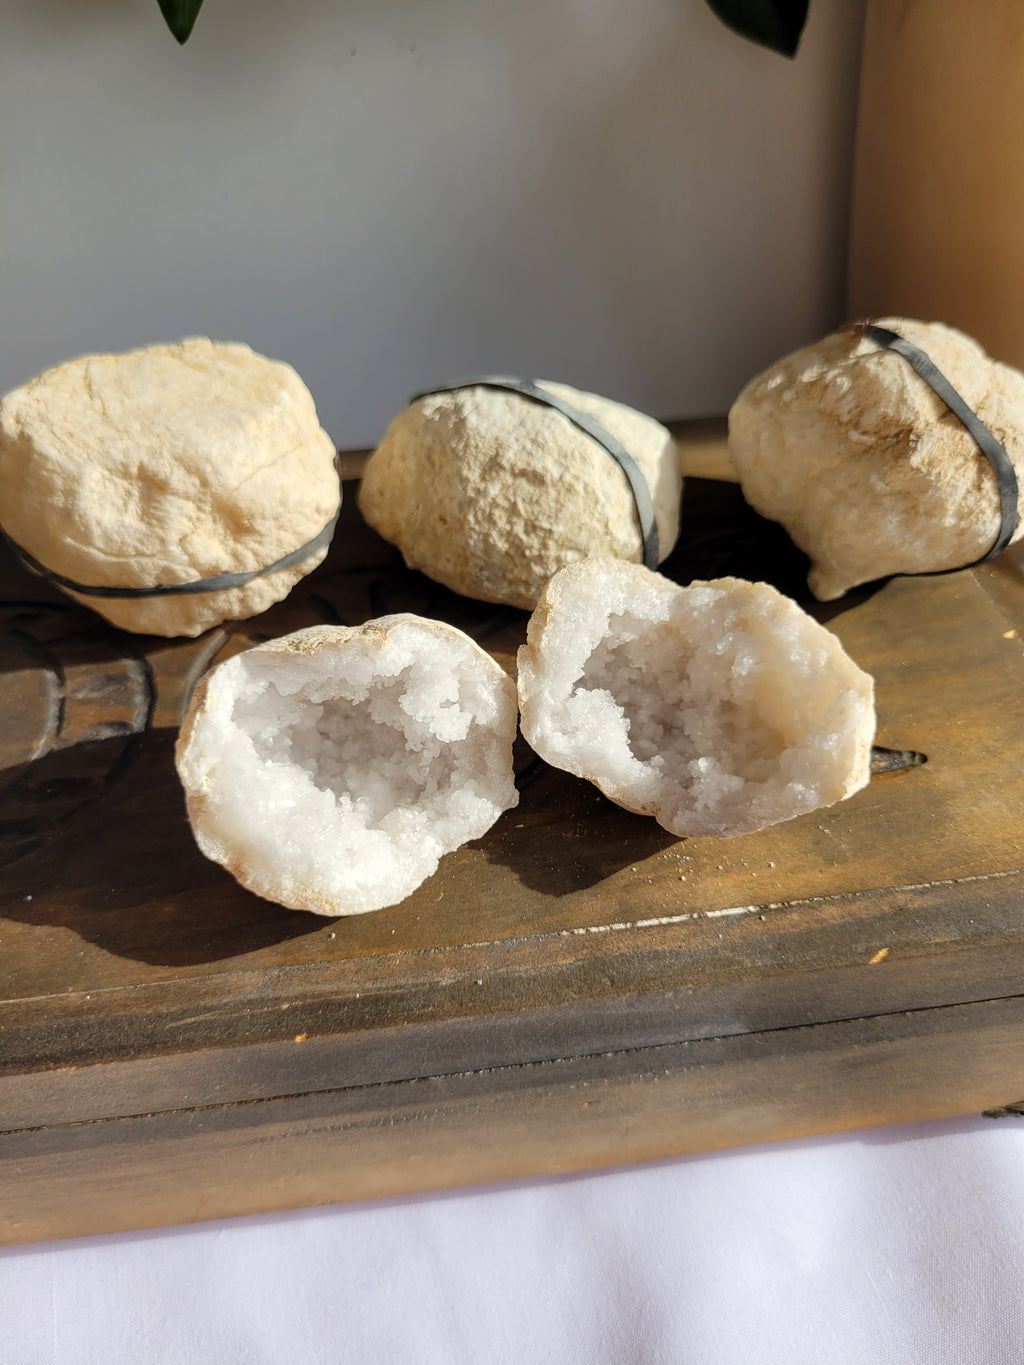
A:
902	1245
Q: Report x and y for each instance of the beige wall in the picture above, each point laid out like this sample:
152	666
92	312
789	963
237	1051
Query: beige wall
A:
939	205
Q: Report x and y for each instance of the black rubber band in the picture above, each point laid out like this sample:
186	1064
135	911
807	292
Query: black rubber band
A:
989	445
592	428
217	583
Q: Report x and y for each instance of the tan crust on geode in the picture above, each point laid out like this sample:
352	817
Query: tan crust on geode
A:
717	708
262	803
489	492
866	468
163	466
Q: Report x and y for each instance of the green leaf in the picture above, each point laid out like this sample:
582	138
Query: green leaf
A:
180	16
777	24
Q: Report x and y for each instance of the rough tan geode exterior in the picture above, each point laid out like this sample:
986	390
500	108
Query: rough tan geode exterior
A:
489	492
164	465
866	468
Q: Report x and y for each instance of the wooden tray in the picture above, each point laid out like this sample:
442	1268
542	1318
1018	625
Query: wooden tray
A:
576	989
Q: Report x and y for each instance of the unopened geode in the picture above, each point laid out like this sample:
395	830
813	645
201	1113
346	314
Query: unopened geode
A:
489	492
331	769
866	468
718	708
169	466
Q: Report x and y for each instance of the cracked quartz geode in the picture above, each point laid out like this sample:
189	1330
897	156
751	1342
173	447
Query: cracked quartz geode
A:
331	769
718	708
865	466
164	466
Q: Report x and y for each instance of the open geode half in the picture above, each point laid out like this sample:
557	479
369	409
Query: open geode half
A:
331	769
718	708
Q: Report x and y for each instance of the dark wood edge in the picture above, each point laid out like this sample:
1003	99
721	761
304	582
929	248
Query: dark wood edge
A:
836	958
508	1122
689	951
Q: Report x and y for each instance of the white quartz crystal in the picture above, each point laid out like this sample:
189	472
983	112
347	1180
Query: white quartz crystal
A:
331	769
717	708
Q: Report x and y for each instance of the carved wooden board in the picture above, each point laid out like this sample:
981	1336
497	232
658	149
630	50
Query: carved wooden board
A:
577	988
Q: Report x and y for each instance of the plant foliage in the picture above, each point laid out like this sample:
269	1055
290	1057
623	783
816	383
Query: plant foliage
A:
777	24
180	16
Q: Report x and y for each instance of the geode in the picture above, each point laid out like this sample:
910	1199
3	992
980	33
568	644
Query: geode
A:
865	466
718	708
331	769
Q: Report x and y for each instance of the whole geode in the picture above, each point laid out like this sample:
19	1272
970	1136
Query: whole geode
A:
490	492
865	466
164	466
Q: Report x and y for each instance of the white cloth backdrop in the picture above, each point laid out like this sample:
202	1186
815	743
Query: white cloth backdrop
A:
896	1246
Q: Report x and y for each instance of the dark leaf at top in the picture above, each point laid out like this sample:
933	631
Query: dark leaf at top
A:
180	16
777	24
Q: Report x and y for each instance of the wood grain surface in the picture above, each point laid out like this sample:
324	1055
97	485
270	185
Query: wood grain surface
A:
576	988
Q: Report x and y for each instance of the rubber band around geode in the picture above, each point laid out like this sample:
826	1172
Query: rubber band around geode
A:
590	427
221	582
987	443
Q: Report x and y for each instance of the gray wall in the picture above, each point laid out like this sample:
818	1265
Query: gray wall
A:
391	193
